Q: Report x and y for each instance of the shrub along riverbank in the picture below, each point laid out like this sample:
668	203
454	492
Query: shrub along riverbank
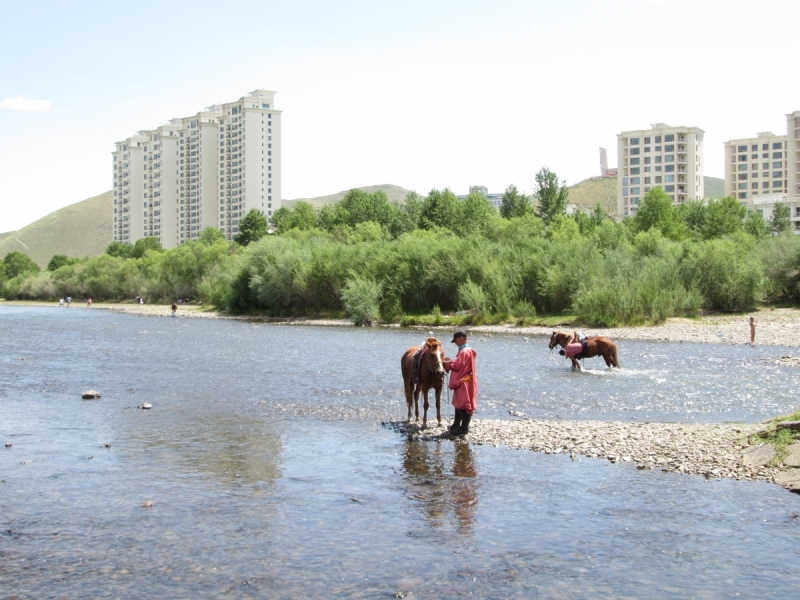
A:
441	254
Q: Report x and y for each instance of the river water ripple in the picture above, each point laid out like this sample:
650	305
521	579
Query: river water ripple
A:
270	475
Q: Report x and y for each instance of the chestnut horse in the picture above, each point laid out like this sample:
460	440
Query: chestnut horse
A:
431	375
597	346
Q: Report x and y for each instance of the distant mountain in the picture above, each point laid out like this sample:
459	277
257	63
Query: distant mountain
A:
394	192
589	192
78	230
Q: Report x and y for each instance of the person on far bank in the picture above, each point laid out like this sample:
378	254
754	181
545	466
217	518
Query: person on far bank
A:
174	310
752	331
463	382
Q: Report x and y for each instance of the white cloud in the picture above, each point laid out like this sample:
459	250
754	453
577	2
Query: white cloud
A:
23	103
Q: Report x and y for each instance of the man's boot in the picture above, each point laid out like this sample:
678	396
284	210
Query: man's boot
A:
456	426
465	424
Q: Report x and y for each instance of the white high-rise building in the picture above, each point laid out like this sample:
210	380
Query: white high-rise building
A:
756	166
207	170
667	157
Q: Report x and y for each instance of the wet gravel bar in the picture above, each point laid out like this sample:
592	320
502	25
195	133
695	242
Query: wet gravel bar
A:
712	450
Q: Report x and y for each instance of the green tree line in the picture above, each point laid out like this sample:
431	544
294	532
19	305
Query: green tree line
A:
375	259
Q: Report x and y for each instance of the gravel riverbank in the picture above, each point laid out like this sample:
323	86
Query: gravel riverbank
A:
775	327
714	451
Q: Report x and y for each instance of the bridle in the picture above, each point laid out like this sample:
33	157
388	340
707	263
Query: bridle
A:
432	367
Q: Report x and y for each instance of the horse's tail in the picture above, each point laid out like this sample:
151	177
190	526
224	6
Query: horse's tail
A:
614	354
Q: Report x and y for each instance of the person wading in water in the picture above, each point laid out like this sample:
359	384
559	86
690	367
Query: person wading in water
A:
463	382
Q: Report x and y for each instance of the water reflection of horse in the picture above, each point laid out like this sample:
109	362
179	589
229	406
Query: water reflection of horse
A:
430	374
439	492
596	346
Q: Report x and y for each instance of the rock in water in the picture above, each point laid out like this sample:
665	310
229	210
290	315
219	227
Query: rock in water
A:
145	406
790	425
147	504
793	455
90	395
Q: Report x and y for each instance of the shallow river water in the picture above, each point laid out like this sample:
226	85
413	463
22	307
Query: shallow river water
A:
271	476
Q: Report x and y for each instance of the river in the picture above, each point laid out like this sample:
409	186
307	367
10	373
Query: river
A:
271	476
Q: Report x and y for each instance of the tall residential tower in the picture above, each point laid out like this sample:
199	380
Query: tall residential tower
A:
207	170
663	156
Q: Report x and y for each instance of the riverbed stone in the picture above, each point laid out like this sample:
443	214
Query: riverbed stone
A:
758	456
90	395
790	425
793	455
789	479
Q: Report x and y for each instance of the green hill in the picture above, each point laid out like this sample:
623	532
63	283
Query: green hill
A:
78	230
394	192
589	192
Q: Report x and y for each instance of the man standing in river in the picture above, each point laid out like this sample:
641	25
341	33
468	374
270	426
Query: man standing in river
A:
463	382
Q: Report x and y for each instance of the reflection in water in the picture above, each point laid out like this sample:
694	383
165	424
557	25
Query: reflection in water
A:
442	490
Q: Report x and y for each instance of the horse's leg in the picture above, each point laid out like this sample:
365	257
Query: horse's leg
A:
575	364
425	406
409	391
438	391
416	401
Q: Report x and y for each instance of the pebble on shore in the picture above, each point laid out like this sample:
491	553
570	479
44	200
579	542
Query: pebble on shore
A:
714	451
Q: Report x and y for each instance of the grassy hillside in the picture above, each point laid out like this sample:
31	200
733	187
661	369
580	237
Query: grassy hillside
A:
78	230
394	192
714	187
589	192
6	234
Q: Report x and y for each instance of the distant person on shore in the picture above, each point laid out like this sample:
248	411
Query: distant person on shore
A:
752	331
88	303
174	310
61	302
463	382
180	300
69	301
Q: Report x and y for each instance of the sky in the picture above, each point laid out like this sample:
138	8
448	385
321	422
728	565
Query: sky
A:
418	93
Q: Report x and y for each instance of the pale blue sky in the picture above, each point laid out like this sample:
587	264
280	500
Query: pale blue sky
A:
421	94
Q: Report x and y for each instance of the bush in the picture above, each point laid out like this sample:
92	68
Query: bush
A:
361	299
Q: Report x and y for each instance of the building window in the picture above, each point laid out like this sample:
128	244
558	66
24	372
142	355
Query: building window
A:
742	148
777	155
742	195
669	168
743	167
669	148
777	184
647	180
647	160
754	185
635	161
634	141
670	137
777	164
634	150
776	174
776	145
669	158
635	190
742	176
669	178
669	188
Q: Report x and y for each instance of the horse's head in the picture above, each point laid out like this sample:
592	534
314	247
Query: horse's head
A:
558	338
435	357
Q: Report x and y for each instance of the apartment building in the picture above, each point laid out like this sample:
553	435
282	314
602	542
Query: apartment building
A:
767	164
756	166
662	156
207	170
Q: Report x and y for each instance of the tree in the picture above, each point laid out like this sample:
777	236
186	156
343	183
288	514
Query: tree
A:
60	260
211	235
473	214
756	226
252	227
119	249
17	263
656	210
551	200
693	213
780	222
439	210
723	217
514	203
144	244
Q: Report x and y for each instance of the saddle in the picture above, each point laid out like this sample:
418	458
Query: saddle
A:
416	361
584	350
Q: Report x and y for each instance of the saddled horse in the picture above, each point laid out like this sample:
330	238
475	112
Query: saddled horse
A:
596	346
430	375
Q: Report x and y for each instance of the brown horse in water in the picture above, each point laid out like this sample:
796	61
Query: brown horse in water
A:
431	375
597	346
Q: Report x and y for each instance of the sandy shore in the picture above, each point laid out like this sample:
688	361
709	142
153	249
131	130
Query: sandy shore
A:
777	327
714	451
